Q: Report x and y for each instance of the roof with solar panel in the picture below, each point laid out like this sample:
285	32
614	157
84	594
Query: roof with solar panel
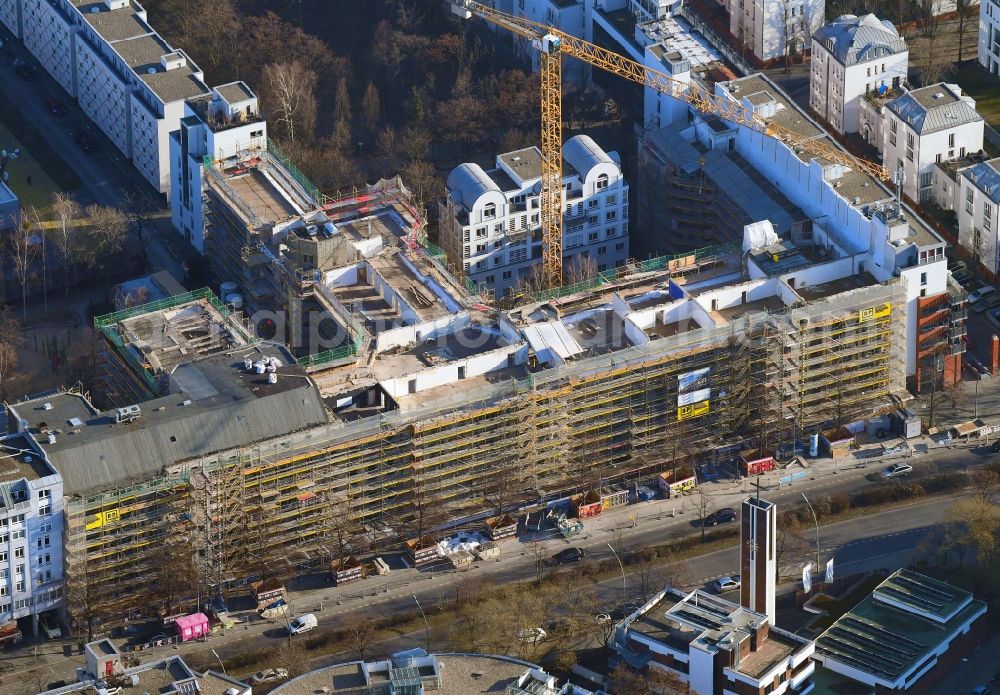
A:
896	628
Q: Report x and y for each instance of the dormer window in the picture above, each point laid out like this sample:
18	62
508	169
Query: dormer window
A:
602	182
490	211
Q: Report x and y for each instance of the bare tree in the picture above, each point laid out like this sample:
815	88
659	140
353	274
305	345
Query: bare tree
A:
388	145
292	656
362	631
176	576
968	13
705	506
105	235
10	339
290	89
540	554
649	681
66	211
22	252
84	602
342	103
371	108
581	269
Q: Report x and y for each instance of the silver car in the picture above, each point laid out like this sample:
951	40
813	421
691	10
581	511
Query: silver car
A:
897	470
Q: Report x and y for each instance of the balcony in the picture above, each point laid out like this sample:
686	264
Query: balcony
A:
958	315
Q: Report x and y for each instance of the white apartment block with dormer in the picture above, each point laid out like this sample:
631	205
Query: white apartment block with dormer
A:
771	29
127	79
851	58
989	35
978	213
925	127
490	227
31	533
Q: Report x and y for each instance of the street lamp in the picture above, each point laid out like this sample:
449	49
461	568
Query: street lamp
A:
816	522
624	589
427	629
221	665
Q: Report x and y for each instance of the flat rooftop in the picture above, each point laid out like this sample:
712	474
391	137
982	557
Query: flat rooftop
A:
896	626
460	675
19	460
598	332
266	201
674	34
526	163
451	347
214	404
113	25
770	304
811	293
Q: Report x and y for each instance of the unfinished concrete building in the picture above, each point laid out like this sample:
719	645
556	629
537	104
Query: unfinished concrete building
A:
440	409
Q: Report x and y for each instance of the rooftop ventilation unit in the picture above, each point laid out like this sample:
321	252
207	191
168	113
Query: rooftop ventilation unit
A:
115	4
173	61
128	413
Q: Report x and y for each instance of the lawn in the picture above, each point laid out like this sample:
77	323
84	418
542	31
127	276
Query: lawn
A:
39	193
983	87
37	159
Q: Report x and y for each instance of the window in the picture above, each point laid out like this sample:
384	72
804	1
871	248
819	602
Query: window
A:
869	73
496	244
611	200
987	214
43	494
480	265
490	279
592	203
480	248
3	556
18	533
490	211
951	139
602	182
498	228
892	125
937	158
481	233
4	589
602	250
611	215
43	542
611	231
498	260
19	519
925	179
19	551
592	236
923	278
507	274
968	201
620	246
19	585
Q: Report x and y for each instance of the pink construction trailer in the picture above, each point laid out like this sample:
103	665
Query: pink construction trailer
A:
192	626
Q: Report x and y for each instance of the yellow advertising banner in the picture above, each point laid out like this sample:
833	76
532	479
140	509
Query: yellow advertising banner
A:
686	412
875	312
101	518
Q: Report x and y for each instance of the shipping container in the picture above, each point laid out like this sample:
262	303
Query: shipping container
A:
501	528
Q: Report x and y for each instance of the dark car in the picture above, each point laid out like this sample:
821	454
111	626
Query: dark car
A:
568	555
55	105
720	516
26	71
84	137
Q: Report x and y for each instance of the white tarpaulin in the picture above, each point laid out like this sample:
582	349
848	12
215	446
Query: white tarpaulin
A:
759	234
693	397
829	572
807	583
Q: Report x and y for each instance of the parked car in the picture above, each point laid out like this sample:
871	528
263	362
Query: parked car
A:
720	516
962	277
723	584
980	293
84	137
269	675
986	304
55	105
531	635
304	623
897	470
568	555
25	70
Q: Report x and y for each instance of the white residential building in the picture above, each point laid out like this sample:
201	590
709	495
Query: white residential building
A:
989	35
127	79
928	125
490	220
220	126
31	532
774	28
979	212
852	57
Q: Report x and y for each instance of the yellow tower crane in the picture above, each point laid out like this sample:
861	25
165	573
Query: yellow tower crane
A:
553	45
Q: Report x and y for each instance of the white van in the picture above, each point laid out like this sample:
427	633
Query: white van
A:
304	623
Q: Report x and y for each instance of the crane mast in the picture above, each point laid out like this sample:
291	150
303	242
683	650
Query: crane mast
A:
553	44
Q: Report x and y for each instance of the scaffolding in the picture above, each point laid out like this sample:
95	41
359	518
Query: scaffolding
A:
450	459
